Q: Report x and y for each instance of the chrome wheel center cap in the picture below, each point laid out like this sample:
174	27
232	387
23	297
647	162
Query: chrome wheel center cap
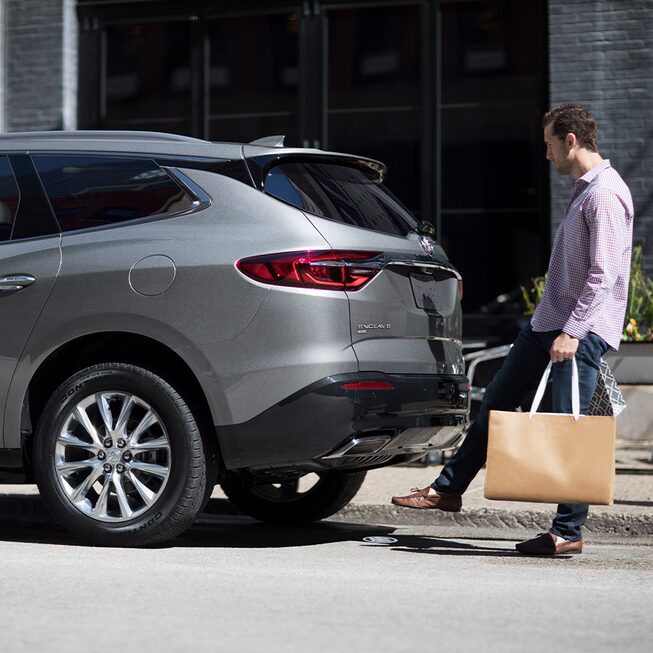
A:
114	456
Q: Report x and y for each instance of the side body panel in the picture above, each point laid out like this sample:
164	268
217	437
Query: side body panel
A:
247	351
19	312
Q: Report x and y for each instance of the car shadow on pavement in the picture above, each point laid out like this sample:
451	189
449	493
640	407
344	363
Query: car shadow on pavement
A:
25	519
228	531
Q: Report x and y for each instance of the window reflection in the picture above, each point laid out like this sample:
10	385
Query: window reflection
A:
492	194
374	90
148	80
254	77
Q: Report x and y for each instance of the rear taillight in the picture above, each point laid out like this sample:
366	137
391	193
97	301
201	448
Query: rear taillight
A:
460	290
328	269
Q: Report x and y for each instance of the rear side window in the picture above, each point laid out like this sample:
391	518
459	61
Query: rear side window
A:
344	193
8	199
88	191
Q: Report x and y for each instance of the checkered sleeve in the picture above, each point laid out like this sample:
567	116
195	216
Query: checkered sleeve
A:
606	219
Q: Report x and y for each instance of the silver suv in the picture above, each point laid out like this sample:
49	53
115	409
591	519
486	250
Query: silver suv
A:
177	313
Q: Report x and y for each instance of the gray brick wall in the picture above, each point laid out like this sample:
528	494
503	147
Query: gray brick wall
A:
601	55
2	66
40	66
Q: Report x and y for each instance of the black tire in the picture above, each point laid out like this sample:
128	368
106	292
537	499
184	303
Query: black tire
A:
283	504
166	503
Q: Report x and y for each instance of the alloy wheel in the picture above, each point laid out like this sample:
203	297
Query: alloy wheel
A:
112	456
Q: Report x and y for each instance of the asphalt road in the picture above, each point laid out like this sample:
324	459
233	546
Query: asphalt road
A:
231	584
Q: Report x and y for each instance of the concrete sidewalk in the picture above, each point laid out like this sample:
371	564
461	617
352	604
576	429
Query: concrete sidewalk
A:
631	513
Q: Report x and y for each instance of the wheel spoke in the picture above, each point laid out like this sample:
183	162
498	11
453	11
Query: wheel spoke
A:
70	440
82	489
146	494
125	412
150	445
149	419
150	468
100	508
125	509
105	411
66	468
85	421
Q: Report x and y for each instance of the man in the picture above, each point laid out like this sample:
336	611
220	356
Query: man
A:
581	314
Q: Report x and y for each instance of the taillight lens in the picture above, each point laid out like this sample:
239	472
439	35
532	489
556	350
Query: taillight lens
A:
328	270
460	290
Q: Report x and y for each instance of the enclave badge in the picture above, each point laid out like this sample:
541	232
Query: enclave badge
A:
362	328
426	244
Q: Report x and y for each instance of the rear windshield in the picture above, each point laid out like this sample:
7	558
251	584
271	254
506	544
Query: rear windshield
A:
339	192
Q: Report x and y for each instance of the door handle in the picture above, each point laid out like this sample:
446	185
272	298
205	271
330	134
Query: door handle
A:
15	282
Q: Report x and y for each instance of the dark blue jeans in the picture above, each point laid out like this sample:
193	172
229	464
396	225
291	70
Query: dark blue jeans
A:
519	377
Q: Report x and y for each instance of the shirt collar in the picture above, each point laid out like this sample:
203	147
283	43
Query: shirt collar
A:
593	172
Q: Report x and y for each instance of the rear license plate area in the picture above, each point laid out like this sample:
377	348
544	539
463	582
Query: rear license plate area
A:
426	292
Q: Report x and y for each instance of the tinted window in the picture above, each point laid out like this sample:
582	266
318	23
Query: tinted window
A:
97	191
343	193
8	199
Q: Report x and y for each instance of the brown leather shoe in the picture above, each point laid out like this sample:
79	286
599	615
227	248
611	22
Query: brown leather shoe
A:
545	544
421	499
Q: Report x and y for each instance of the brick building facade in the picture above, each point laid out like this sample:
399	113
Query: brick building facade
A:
601	55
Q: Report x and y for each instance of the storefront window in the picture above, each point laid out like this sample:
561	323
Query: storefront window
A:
374	90
492	186
148	77
254	77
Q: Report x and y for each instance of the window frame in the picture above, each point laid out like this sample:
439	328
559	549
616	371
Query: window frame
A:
12	224
199	198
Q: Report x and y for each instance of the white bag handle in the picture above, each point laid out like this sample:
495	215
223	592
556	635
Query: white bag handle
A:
575	390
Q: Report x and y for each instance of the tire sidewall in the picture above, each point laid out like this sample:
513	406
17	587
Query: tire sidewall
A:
152	390
332	492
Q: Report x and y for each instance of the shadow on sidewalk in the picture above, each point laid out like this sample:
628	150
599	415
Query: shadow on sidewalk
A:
434	546
24	518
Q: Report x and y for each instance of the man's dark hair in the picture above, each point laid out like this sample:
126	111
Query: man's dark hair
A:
573	119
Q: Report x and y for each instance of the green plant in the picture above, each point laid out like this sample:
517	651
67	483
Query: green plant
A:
533	296
638	325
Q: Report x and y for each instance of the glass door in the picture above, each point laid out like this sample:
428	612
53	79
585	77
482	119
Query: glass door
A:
374	100
253	77
146	77
493	187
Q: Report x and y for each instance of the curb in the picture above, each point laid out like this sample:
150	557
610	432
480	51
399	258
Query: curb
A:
614	523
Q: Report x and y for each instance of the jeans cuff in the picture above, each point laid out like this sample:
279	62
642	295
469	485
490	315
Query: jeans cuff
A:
566	536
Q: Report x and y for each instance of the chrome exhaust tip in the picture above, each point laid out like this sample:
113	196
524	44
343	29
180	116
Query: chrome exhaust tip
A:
361	445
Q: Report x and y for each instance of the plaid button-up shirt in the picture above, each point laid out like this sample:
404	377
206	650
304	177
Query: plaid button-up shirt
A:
587	283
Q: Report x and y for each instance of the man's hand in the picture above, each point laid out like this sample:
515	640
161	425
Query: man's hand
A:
563	348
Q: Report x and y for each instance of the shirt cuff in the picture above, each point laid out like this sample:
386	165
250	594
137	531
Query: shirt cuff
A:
575	328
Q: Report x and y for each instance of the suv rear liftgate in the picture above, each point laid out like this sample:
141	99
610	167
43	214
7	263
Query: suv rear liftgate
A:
410	393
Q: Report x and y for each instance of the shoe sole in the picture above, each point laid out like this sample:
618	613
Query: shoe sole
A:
547	554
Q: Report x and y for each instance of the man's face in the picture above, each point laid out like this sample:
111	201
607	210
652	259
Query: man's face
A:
558	151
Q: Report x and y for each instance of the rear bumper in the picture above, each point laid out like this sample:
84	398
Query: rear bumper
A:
326	426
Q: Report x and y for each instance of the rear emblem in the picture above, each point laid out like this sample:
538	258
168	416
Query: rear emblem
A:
426	244
363	328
